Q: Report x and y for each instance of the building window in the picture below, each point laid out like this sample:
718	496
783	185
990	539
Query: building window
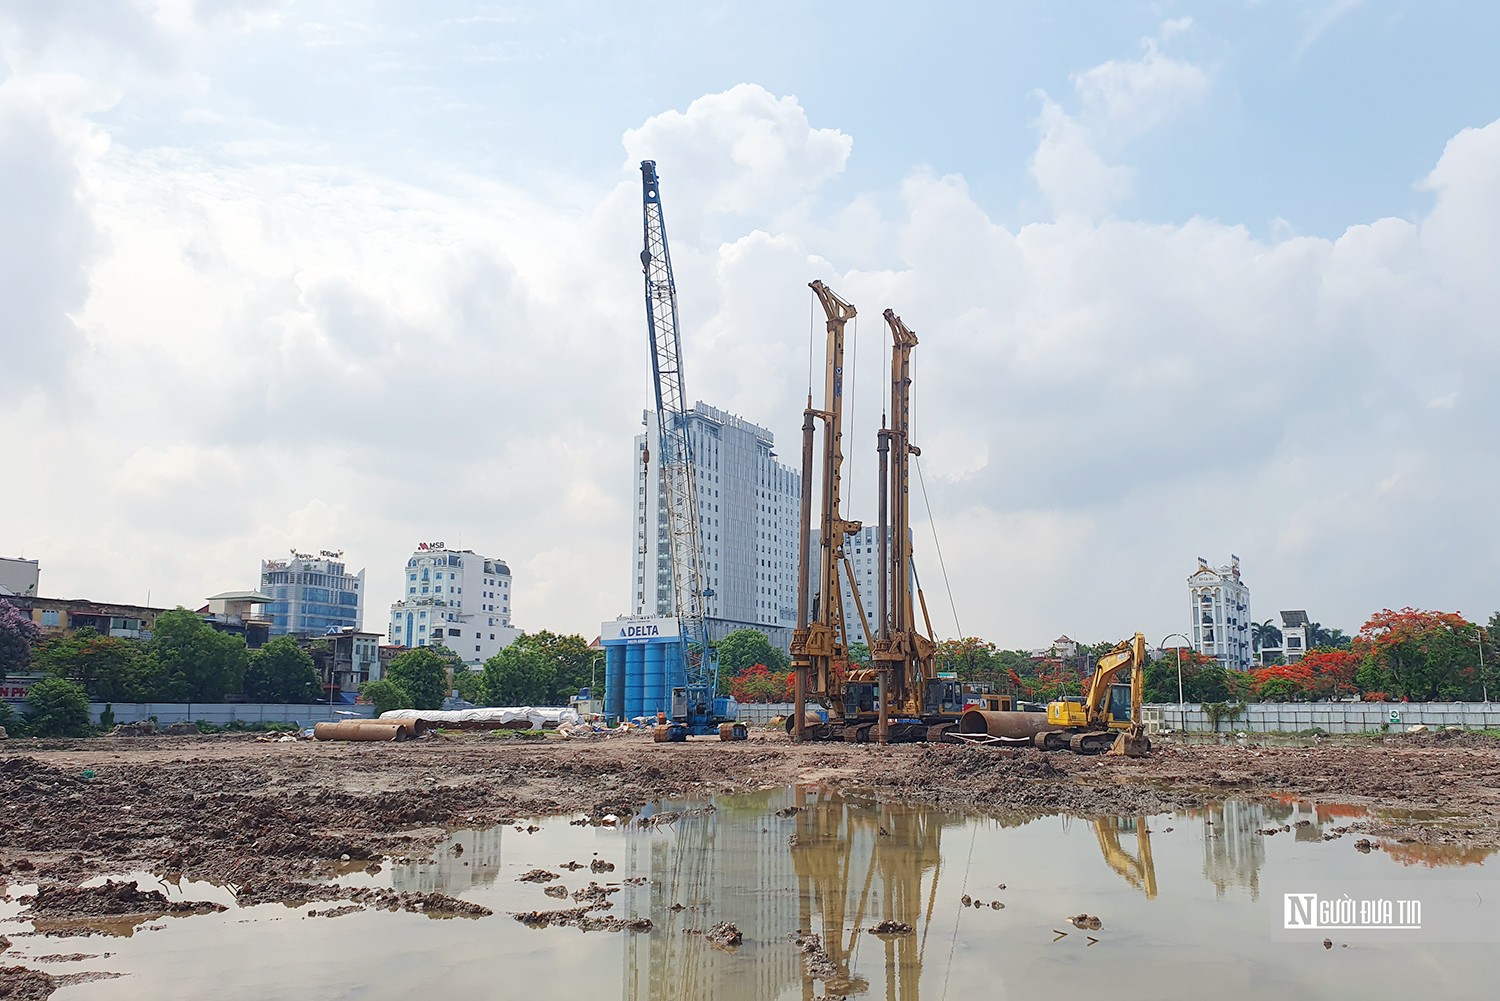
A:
49	617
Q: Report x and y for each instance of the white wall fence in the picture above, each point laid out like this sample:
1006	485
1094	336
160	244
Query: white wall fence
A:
1258	717
761	712
1282	717
1333	717
220	713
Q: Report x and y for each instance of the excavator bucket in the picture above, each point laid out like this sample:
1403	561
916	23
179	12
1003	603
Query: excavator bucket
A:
1131	743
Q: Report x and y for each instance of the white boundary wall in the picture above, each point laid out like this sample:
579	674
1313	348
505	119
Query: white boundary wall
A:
1334	717
220	713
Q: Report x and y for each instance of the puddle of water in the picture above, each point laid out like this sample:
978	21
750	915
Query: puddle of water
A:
1185	901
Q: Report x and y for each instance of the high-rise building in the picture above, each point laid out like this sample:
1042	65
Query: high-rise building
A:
862	549
457	599
748	506
312	594
1219	606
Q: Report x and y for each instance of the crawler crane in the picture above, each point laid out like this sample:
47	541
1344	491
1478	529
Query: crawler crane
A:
696	707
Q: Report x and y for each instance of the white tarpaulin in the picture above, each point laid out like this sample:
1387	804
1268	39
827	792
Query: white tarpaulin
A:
488	717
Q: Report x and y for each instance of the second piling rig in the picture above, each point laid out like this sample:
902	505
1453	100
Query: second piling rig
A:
901	697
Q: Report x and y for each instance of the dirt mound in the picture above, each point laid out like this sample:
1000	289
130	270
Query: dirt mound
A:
17	983
724	935
109	900
578	917
892	928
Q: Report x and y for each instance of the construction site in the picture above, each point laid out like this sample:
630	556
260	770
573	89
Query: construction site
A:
899	833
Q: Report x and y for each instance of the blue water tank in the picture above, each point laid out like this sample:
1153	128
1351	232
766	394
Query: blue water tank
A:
654	680
614	683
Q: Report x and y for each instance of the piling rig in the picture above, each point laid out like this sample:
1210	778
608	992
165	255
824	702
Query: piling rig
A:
901	697
820	638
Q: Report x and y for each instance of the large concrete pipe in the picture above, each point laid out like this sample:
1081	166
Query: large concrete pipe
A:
1022	726
366	730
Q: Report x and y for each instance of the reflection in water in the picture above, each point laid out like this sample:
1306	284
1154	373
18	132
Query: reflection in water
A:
1436	856
861	863
853	863
738	852
1138	869
1233	851
460	862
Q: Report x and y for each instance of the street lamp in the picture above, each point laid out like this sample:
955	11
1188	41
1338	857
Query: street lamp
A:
1181	704
1483	683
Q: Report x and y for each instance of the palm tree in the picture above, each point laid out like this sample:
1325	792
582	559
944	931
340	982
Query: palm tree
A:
1264	634
1318	636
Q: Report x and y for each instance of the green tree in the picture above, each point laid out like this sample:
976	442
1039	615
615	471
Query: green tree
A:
187	660
1264	634
470	686
18	634
971	658
859	655
106	666
12	722
385	695
281	671
59	708
1427	655
570	659
424	675
519	676
745	648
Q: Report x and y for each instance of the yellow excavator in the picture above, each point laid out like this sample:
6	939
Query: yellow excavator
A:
1107	718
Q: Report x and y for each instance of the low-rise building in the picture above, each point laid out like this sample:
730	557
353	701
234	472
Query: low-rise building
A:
18	576
240	613
345	660
62	616
457	599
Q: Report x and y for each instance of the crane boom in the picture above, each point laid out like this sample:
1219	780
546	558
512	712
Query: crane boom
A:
674	443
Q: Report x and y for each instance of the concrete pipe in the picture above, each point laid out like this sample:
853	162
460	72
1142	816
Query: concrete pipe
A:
366	730
1004	724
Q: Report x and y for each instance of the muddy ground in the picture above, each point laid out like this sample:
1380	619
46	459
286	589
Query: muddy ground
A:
272	819
230	807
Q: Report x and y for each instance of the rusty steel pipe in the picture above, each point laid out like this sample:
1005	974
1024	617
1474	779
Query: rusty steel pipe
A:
1004	724
410	724
367	730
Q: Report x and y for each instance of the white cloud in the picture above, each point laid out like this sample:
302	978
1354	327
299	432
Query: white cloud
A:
223	354
1118	100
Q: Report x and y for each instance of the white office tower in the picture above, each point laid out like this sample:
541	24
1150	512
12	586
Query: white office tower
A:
748	505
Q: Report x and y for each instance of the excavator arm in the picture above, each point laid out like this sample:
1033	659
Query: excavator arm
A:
1128	654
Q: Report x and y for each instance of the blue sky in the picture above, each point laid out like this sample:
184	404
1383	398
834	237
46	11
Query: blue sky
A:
1319	114
1191	279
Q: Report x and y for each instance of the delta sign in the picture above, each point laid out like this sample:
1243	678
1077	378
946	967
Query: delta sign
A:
637	630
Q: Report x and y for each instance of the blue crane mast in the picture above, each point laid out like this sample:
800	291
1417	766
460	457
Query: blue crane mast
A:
695	707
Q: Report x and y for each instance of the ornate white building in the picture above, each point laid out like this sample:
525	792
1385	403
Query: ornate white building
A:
1219	609
457	599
